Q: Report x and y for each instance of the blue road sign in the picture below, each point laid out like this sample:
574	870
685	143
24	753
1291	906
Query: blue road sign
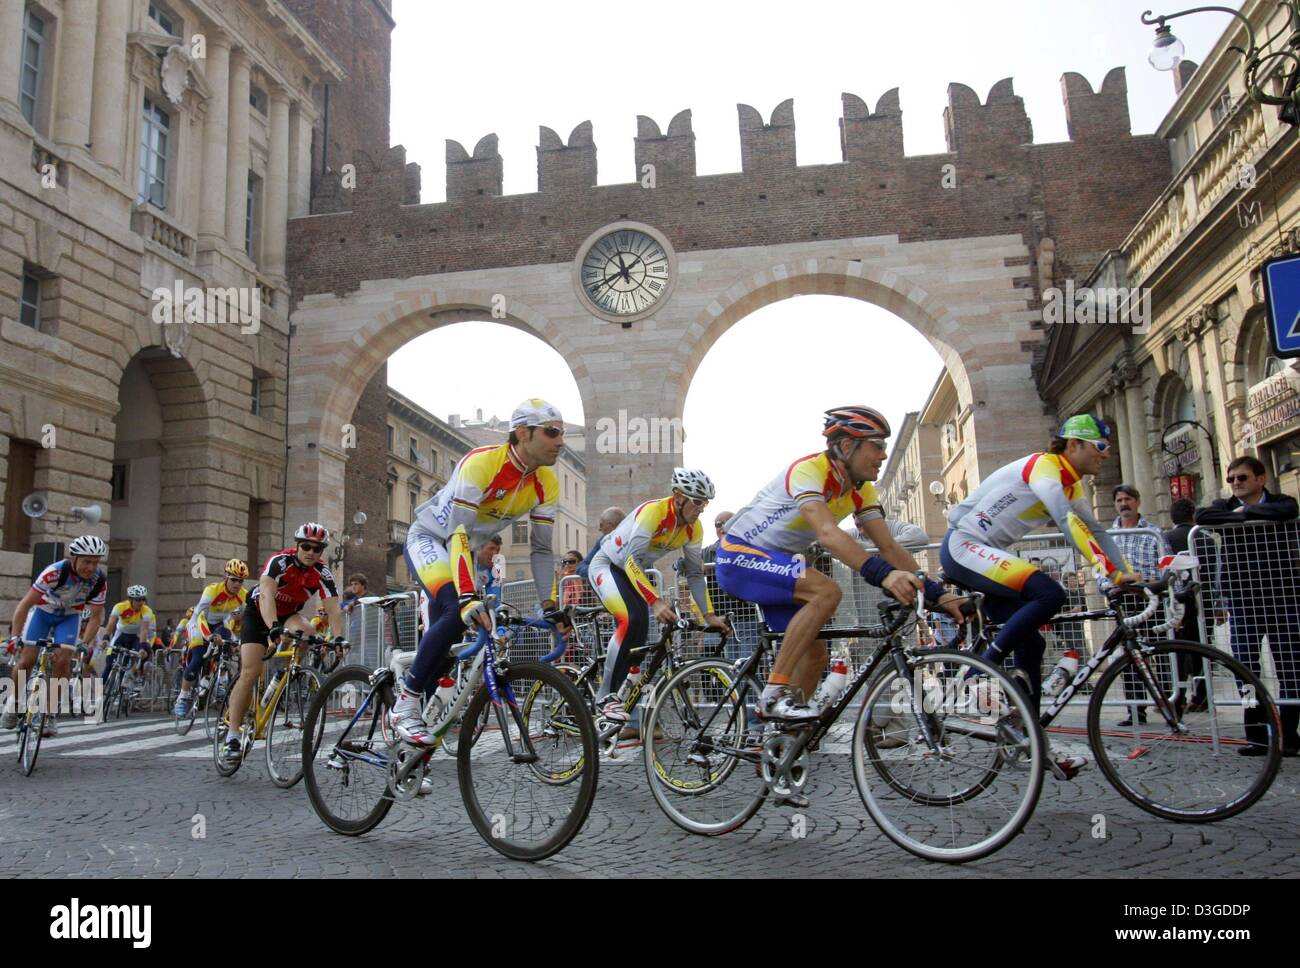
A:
1282	298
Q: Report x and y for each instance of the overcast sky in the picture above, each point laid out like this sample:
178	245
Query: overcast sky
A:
462	71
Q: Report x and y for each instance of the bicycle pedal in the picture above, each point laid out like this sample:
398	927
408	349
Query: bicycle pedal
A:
792	799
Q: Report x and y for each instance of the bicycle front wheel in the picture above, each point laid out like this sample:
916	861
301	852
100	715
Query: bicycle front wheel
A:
509	762
702	748
30	744
1202	740
347	751
286	731
214	702
949	759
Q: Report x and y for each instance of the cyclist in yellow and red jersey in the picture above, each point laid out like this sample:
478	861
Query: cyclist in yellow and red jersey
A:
218	606
618	573
803	504
1012	501
130	626
490	486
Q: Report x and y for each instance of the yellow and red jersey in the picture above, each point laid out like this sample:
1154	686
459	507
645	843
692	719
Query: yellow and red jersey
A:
217	605
646	535
130	621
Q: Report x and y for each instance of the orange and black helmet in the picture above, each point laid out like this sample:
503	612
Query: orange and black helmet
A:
859	422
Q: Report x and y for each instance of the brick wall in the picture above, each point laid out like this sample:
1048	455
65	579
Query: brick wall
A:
1086	193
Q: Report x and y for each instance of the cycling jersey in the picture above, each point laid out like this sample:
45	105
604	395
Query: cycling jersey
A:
1024	495
294	583
319	625
216	608
130	620
774	519
488	488
63	592
645	536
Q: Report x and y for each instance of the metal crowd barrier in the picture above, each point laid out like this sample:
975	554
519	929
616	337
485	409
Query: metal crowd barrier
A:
1249	603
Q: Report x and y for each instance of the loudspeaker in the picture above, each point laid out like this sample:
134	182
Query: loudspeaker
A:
44	554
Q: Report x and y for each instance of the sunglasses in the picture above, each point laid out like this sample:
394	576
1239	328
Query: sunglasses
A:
1238	478
571	561
551	432
699	502
311	546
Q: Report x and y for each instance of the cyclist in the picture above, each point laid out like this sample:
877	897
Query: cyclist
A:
211	616
618	574
803	504
289	578
131	626
52	608
1012	501
490	486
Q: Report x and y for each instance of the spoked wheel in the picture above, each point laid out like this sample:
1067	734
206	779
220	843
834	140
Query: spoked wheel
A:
29	745
346	752
949	759
528	784
214	703
286	731
1204	740
184	723
703	750
227	767
554	713
109	702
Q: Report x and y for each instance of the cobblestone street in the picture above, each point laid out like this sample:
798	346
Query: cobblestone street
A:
118	800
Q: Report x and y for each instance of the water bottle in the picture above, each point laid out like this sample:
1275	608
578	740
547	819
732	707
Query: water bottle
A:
442	699
1063	673
205	682
270	688
630	683
833	686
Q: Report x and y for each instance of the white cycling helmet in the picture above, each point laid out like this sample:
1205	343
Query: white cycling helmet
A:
693	483
311	531
88	545
137	591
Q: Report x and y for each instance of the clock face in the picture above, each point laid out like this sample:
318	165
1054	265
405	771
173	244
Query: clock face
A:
625	272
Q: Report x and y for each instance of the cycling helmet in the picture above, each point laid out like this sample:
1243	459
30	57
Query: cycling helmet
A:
534	412
236	569
89	545
137	591
693	483
311	531
860	422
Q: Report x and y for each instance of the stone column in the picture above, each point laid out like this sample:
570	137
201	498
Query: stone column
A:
13	18
107	124
1203	445
237	142
299	162
216	71
76	72
276	190
1143	476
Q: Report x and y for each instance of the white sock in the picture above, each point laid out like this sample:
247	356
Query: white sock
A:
770	691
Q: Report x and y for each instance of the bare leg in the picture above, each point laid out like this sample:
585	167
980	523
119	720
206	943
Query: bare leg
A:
803	656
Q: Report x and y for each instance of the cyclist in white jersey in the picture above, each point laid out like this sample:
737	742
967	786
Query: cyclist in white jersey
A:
1014	500
805	503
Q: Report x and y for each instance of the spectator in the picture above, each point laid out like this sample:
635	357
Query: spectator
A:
1257	582
1143	552
484	557
720	531
610	518
357	586
570	591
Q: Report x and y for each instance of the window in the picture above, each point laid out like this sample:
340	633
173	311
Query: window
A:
252	215
433	460
164	18
118	483
31	80
257	99
1222	106
30	307
413	496
155	139
390	499
414	452
261	396
519	532
1184	146
390	438
21	474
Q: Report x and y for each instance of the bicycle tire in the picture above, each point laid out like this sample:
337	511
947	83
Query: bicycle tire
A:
956	711
224	768
214	701
685	767
284	746
318	772
555	719
1213	772
186	722
108	702
31	742
498	821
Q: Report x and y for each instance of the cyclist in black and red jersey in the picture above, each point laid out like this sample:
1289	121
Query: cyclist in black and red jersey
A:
289	578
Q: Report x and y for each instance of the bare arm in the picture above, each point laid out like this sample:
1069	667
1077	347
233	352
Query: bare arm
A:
21	611
266	589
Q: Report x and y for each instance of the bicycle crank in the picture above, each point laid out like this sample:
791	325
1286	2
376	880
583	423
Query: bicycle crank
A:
784	771
405	771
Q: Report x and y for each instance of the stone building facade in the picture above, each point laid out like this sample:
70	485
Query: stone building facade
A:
904	487
1197	386
149	147
953	243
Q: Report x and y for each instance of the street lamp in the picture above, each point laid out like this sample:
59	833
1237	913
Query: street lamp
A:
1164	441
1168	50
346	539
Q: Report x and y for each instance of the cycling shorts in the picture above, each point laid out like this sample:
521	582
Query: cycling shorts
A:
762	576
62	628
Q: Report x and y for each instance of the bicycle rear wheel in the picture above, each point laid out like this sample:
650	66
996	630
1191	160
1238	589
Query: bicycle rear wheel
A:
347	751
972	786
214	703
1188	767
508	779
30	743
286	730
219	731
702	755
